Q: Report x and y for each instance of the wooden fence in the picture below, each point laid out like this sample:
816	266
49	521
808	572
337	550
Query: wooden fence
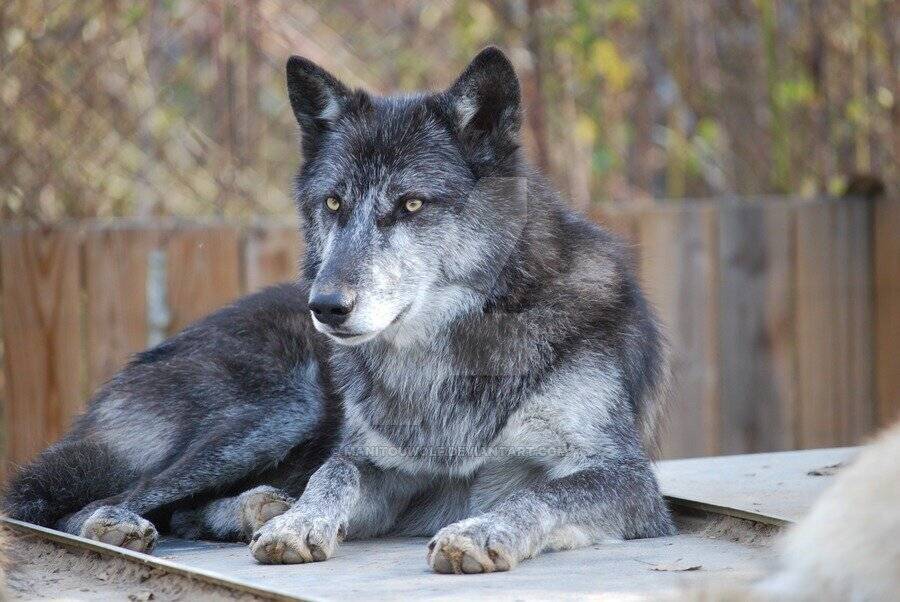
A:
784	316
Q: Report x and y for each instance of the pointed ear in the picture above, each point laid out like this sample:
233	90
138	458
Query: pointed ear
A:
486	96
316	96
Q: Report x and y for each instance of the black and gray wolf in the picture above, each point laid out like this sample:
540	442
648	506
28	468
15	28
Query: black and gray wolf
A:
463	358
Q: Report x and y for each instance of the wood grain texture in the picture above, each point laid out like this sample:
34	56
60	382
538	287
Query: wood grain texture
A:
679	271
42	337
271	255
115	279
202	271
775	485
756	332
886	248
834	324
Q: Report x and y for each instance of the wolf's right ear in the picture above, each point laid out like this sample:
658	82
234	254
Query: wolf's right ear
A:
316	96
485	99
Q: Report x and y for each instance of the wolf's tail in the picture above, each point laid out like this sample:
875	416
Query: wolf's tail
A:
63	479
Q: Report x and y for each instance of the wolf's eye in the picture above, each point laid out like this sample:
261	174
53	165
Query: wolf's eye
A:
413	205
332	203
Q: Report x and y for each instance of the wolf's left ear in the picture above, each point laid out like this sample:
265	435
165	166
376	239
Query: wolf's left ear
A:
486	97
316	96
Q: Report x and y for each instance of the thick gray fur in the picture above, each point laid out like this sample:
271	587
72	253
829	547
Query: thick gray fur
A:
493	380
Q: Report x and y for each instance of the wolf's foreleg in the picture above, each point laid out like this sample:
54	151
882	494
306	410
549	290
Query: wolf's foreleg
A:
345	497
615	499
311	529
232	518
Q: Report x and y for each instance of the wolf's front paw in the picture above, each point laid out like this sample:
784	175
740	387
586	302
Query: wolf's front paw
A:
475	545
119	527
294	537
260	505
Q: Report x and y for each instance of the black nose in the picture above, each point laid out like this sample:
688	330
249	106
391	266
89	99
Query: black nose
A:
332	308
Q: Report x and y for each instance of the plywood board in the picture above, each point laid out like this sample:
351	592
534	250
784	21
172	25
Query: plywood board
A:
396	569
776	488
393	568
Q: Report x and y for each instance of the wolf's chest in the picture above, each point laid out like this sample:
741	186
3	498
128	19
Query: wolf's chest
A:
430	416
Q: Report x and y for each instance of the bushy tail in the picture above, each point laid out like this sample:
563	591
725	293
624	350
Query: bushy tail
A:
63	479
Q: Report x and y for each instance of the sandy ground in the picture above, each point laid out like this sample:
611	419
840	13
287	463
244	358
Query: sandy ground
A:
41	570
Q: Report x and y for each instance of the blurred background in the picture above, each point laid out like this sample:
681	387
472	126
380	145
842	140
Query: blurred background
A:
747	148
176	107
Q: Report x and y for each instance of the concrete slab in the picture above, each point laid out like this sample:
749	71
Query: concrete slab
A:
776	488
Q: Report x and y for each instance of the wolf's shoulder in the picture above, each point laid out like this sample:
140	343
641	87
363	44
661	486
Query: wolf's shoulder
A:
592	262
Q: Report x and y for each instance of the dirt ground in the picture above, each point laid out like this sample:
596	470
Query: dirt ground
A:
41	570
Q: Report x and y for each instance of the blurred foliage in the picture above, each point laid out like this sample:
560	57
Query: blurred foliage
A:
175	107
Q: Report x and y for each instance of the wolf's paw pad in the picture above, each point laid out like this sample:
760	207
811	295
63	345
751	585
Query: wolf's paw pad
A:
293	539
119	527
469	547
260	505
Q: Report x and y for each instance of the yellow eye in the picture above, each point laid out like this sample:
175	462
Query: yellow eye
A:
413	205
332	203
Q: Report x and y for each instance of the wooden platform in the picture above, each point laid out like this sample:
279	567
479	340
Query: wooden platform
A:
775	488
769	488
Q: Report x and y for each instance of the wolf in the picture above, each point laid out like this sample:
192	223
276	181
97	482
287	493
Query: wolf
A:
462	358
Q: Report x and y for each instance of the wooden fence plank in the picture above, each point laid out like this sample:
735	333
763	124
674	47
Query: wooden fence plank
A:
42	337
271	255
886	250
834	324
756	331
115	276
859	412
202	272
679	268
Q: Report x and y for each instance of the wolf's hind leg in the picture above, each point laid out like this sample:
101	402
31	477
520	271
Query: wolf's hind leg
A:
223	457
113	525
232	518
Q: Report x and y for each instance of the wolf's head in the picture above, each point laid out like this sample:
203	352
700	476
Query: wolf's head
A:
410	204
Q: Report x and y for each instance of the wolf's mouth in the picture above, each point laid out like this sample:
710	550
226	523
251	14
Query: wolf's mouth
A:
349	335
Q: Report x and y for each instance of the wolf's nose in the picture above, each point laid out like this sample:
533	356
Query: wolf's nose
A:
332	308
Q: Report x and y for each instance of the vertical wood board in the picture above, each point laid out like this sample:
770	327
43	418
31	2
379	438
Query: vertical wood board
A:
756	331
271	256
679	271
834	324
886	248
115	279
42	337
202	272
